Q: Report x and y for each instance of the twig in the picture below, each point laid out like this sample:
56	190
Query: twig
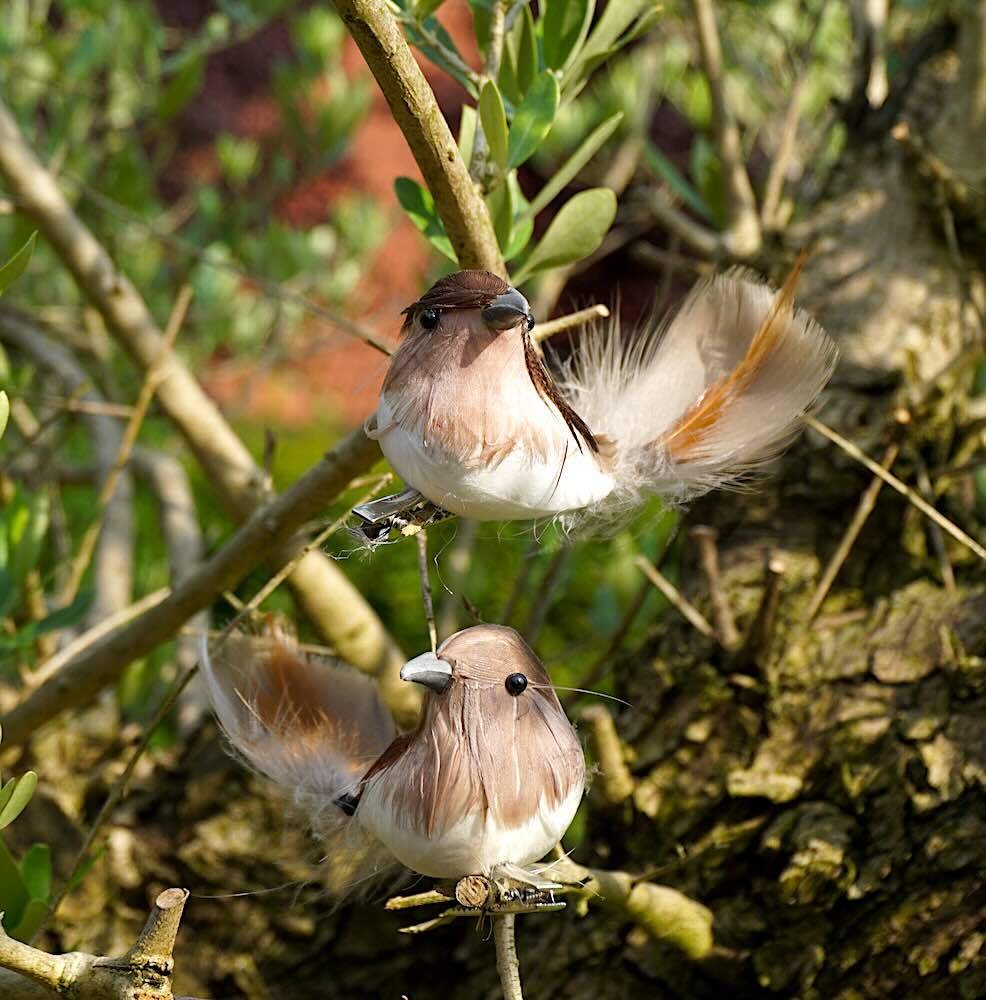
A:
616	781
413	105
426	599
507	963
863	510
705	537
549	582
544	330
914	498
418	899
742	236
699	237
145	970
151	381
457	569
762	630
687	610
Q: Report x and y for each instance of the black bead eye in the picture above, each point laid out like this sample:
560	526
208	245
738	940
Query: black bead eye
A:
428	318
515	684
530	322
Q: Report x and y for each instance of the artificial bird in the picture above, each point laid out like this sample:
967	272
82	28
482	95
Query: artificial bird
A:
489	780
473	421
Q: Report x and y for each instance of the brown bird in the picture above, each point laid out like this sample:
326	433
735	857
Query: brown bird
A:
490	778
471	419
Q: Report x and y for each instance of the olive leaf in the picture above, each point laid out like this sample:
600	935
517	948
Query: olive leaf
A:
533	119
575	232
494	119
17	264
419	205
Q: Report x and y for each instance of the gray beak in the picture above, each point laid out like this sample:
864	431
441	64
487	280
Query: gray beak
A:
429	670
507	310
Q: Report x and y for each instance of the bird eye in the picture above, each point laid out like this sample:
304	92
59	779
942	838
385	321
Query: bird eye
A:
429	318
530	322
515	684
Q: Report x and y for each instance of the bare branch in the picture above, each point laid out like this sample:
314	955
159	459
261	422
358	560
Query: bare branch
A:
269	530
544	330
413	105
337	609
507	964
742	236
685	608
144	971
616	781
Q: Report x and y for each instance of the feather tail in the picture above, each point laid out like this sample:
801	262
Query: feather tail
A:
314	727
699	404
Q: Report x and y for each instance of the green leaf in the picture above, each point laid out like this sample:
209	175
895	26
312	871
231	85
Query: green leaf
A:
674	179
564	26
32	917
494	120
7	791
181	88
522	228
526	51
4	411
561	178
13	892
17	802
533	120
575	232
482	16
501	205
27	524
617	16
425	8
437	53
467	132
17	264
36	871
420	207
71	614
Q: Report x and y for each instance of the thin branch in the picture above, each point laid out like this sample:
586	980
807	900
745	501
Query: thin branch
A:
151	381
544	330
757	640
705	537
937	539
685	608
699	237
615	779
742	236
891	480
426	599
413	105
507	964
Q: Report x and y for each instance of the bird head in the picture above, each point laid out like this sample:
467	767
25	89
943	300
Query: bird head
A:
477	301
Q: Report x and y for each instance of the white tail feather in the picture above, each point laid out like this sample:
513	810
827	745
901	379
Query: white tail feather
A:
698	403
314	727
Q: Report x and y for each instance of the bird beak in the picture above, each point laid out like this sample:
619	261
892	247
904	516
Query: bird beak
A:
507	310
429	670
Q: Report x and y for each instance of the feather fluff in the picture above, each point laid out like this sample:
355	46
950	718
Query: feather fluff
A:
314	727
700	402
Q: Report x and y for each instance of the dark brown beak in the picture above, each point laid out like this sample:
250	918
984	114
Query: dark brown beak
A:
508	310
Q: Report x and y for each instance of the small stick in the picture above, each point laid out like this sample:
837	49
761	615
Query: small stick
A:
762	629
863	510
418	899
539	613
922	505
687	610
544	330
151	382
506	956
705	536
426	589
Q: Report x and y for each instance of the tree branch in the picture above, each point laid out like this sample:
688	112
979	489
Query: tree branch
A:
413	105
144	971
338	610
267	531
